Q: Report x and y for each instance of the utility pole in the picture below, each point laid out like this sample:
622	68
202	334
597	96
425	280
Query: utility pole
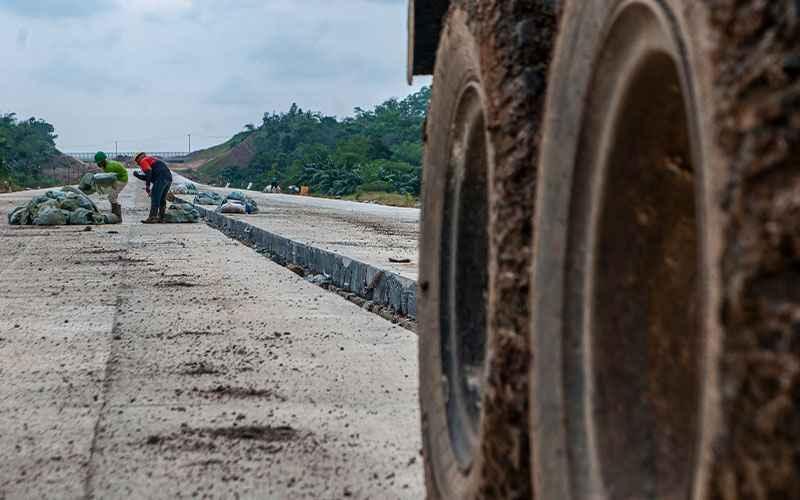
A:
190	143
116	149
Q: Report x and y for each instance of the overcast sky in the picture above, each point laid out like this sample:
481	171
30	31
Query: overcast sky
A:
148	72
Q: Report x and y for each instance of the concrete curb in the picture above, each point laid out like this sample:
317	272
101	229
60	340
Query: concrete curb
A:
375	285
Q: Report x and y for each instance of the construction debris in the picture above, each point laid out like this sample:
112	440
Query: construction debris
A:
319	279
61	207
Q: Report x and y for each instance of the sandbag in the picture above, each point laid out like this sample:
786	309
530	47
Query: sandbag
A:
250	206
181	214
40	203
58	207
208	198
185	188
51	216
110	218
238	198
231	207
38	200
104	183
86	185
56	195
84	217
179	201
237	195
85	201
70	204
20	216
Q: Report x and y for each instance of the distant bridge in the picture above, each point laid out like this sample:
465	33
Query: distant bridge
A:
171	156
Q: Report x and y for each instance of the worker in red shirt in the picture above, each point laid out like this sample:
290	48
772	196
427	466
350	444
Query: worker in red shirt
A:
155	172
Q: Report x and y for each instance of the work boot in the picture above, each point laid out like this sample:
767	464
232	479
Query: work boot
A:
116	209
150	220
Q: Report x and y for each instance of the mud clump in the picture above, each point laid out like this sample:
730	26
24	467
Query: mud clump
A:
196	333
222	391
257	438
176	284
266	433
197	368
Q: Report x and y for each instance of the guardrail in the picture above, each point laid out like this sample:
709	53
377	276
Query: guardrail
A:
163	155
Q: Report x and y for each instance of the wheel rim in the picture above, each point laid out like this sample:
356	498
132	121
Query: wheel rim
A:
634	260
464	278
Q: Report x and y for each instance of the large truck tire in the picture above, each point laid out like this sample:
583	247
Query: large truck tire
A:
666	305
478	191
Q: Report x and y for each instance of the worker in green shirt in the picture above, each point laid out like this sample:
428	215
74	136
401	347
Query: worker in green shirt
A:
113	167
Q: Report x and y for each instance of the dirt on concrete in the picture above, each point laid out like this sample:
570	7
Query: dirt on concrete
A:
148	391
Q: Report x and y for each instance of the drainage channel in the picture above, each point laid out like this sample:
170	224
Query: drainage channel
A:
389	295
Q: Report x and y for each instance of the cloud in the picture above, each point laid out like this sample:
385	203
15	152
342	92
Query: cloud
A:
57	8
107	70
78	77
155	7
236	91
88	8
22	38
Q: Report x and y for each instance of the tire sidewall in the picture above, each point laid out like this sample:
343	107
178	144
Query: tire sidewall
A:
458	47
585	25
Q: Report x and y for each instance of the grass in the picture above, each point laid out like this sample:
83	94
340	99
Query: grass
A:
390	199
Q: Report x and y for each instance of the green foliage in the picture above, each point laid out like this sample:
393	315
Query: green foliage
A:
24	147
334	157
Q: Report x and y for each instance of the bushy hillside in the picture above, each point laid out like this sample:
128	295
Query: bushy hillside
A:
29	158
375	150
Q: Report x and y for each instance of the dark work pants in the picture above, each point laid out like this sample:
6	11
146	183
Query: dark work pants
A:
158	198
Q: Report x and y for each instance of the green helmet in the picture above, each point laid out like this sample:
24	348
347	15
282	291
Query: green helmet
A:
100	157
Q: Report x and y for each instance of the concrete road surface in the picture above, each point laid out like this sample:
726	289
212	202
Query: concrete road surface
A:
367	232
167	361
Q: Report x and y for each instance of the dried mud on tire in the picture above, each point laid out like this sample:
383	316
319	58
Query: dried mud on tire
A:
507	46
742	80
757	95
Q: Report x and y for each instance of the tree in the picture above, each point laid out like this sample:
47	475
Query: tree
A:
381	145
24	147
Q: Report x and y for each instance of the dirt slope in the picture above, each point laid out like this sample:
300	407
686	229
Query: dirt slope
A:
61	168
238	156
65	169
232	152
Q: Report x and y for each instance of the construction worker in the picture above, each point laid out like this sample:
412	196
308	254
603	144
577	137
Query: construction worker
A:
155	172
113	167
